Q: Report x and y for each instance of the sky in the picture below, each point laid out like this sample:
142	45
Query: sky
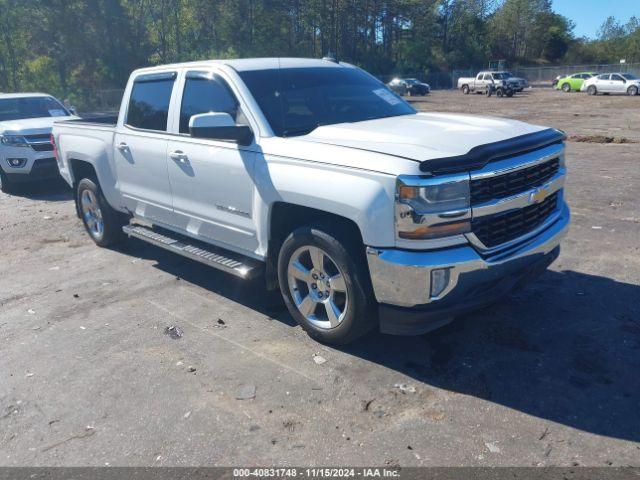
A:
588	15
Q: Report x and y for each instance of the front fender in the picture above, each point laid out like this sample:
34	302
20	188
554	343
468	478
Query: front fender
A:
366	198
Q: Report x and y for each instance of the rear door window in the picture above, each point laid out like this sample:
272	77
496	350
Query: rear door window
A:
149	102
603	77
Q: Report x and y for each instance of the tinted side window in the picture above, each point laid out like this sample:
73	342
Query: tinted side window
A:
203	94
149	102
603	77
618	78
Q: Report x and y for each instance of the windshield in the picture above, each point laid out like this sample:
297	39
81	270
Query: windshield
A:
295	101
412	81
629	76
30	107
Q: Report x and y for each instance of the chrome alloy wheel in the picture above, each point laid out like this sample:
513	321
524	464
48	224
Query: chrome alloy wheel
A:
318	287
91	213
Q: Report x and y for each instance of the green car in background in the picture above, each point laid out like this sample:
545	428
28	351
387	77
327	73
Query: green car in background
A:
574	81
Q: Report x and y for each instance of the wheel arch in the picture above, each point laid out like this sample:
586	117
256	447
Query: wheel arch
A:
80	169
285	217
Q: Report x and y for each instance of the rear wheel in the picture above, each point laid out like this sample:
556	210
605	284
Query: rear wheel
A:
500	93
325	285
566	88
102	222
632	90
592	90
465	89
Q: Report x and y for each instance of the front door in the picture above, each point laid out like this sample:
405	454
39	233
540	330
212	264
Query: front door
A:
140	149
618	84
212	181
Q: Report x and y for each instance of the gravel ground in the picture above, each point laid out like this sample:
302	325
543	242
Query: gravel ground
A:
547	377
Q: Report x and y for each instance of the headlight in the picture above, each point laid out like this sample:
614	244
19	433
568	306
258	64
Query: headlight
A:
428	208
13	141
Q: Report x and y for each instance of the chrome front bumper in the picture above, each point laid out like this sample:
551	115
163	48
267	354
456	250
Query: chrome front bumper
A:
402	278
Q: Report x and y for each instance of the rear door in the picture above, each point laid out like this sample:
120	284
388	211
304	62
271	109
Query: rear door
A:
603	83
212	180
140	148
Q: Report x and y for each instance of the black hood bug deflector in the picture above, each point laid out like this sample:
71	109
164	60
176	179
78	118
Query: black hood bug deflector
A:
479	156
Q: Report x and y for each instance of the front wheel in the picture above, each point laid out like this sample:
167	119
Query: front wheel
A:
325	285
5	185
632	90
566	88
101	221
592	90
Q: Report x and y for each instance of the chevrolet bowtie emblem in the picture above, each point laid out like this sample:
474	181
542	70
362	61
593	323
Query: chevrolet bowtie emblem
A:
538	195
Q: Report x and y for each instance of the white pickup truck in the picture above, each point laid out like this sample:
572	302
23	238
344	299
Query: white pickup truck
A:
314	175
26	152
504	83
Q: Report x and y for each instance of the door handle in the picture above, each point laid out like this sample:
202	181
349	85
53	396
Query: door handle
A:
179	156
123	147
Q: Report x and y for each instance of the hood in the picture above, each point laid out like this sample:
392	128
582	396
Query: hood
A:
421	137
30	126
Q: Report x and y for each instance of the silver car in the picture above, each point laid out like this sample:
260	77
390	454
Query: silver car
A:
607	83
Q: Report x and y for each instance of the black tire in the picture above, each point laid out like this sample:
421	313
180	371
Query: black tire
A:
500	93
566	88
632	91
510	93
465	89
5	184
112	220
592	90
360	313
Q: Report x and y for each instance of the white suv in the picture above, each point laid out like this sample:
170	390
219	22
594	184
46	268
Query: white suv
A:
26	151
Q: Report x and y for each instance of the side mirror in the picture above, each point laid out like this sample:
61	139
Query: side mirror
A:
219	126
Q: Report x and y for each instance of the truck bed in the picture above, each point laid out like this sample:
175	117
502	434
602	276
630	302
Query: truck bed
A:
99	120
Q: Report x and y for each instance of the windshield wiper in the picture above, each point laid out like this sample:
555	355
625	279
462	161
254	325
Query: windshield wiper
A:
294	132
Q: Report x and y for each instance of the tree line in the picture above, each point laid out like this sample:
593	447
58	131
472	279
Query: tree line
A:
74	48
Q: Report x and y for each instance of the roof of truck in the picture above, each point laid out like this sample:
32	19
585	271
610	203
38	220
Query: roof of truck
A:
23	95
244	64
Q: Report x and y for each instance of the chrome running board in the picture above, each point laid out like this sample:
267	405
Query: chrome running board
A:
215	257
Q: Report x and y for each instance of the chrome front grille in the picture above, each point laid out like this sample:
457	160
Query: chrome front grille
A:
502	186
494	230
512	199
40	142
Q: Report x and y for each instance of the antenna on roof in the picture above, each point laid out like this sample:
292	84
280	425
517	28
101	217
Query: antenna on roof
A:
330	57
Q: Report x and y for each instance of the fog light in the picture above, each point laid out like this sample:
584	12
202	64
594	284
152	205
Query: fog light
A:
439	281
16	162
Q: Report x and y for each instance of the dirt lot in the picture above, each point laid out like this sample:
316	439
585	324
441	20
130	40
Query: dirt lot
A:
547	377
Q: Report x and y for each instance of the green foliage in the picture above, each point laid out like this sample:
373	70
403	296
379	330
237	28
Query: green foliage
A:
76	48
